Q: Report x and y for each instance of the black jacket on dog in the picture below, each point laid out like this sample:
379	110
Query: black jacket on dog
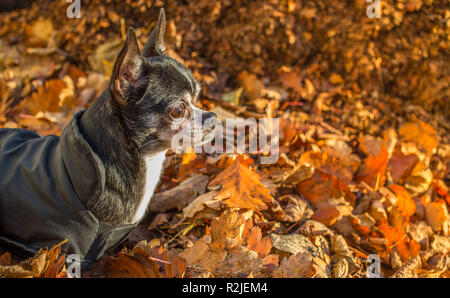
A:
51	177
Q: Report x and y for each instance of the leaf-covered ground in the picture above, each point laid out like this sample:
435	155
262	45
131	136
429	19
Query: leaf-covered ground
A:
364	121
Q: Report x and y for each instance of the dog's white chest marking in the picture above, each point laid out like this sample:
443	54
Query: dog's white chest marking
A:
154	165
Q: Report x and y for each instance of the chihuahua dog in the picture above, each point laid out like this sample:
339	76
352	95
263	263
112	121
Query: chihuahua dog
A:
147	93
94	183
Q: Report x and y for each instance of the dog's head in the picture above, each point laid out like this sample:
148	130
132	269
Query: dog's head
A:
156	95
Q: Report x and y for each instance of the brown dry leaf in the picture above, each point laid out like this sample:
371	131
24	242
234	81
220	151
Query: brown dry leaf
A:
207	200
15	271
298	174
181	195
297	266
36	124
241	188
336	161
292	79
294	244
344	261
409	269
419	180
54	264
201	255
39	32
323	190
341	161
336	79
102	60
421	133
401	165
46	98
436	215
257	243
5	259
46	263
226	231
294	208
326	215
239	262
145	261
253	87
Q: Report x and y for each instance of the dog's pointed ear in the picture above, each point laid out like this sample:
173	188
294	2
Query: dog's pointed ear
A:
126	76
155	44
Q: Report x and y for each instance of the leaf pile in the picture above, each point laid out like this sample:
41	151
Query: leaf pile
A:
364	163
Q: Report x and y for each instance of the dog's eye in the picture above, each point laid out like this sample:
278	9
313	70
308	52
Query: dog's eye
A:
178	112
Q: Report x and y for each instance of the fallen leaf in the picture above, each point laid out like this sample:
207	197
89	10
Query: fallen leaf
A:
226	231
294	244
241	188
421	133
401	165
145	261
294	208
326	215
373	168
257	243
436	215
405	206
252	86
406	248
181	195
323	190
297	266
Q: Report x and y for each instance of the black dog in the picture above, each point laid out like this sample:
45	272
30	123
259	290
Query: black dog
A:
94	183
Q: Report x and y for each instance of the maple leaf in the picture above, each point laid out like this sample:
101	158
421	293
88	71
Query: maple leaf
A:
201	255
54	96
257	243
145	261
226	231
298	265
241	188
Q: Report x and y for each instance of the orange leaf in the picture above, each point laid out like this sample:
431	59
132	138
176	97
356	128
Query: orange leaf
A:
322	189
326	215
404	204
241	188
257	243
373	169
46	98
144	261
406	248
420	133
